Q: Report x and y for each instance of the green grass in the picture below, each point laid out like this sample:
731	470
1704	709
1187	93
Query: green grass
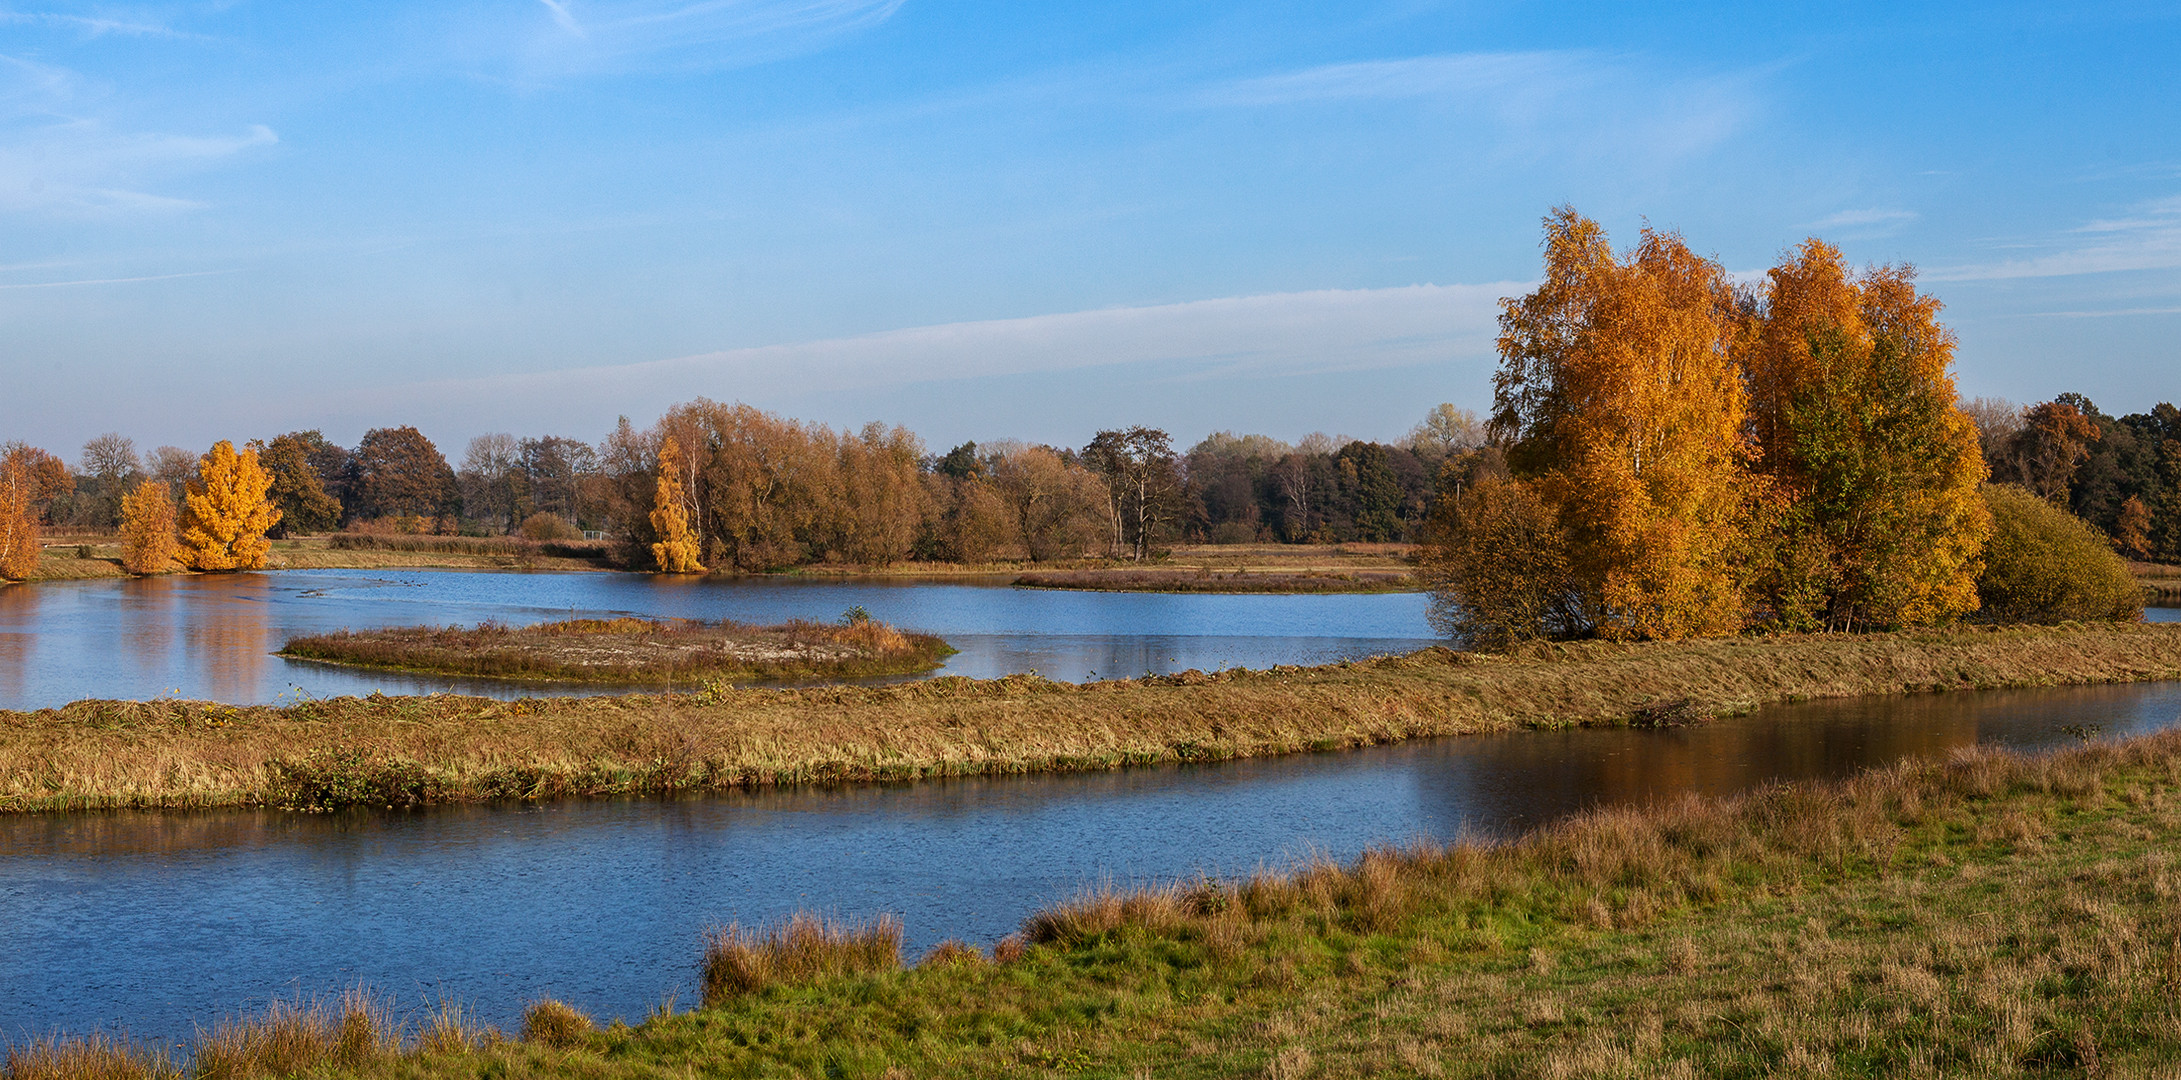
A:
1990	914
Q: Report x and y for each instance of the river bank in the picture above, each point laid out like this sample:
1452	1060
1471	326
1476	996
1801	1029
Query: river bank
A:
1237	568
386	750
1990	913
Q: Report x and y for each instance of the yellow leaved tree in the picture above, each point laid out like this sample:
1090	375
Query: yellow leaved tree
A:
225	515
1622	411
147	529
676	551
1875	466
18	524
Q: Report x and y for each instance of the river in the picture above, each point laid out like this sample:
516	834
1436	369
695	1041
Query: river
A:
212	637
158	923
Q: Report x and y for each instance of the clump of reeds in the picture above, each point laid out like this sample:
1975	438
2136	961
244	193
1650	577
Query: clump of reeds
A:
93	1057
740	960
294	1037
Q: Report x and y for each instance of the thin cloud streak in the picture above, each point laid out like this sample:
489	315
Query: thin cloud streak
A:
1262	336
2148	241
117	280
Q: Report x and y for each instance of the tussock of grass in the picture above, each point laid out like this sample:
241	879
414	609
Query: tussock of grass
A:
1989	914
382	750
740	961
632	650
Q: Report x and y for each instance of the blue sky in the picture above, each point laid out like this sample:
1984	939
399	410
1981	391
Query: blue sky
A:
231	218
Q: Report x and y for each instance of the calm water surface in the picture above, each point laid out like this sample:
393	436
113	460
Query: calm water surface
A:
213	637
160	922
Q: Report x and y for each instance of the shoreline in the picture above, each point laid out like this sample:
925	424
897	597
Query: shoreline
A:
413	750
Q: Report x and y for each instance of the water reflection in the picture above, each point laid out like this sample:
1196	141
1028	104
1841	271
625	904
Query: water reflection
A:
168	920
210	636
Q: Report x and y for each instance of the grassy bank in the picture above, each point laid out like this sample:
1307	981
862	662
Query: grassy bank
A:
1206	580
631	650
1990	914
406	750
2161	581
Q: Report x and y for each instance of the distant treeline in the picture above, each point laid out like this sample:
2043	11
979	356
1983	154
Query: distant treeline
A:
764	492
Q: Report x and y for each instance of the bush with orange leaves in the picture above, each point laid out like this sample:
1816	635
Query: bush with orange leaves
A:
147	529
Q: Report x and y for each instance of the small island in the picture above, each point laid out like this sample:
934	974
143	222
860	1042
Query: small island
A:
632	650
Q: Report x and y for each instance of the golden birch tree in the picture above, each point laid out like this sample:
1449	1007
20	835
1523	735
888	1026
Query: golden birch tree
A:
18	522
1874	463
147	529
226	514
676	551
1623	410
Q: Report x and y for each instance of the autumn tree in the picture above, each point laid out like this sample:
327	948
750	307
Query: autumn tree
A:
676	550
1143	482
18	522
298	490
881	500
1622	409
107	471
226	513
1445	431
1056	507
398	473
2054	440
46	477
147	529
1872	466
2132	533
1497	561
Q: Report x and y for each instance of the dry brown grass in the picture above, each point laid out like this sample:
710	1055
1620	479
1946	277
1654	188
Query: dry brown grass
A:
632	650
381	750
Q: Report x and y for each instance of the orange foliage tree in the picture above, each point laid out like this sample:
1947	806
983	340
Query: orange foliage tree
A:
147	529
18	523
1872	465
676	551
226	513
1623	412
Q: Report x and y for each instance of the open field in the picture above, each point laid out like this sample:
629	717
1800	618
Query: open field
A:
1990	914
630	650
441	748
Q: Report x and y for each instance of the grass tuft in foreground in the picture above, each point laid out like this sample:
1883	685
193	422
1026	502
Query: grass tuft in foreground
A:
1990	914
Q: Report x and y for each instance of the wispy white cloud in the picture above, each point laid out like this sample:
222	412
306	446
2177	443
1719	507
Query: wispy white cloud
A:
1281	334
1557	103
58	156
1867	220
2149	239
94	26
573	36
113	281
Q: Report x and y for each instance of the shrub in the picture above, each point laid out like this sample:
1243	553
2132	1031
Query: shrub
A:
2045	565
542	526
